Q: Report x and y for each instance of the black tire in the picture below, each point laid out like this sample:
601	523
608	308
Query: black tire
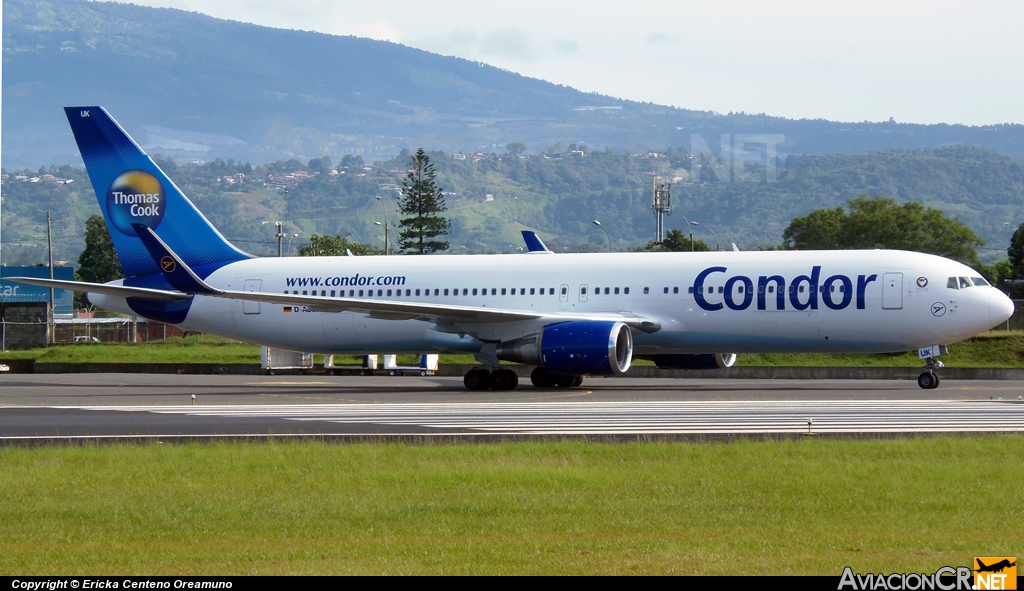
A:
500	380
391	373
513	379
936	383
423	372
565	381
577	381
476	379
539	377
362	372
927	380
273	373
330	372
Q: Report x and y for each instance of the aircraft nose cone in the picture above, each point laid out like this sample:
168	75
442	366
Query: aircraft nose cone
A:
1000	307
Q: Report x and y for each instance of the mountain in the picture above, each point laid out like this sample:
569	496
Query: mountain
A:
492	197
196	87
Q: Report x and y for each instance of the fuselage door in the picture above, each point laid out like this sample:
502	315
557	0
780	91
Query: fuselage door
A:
563	293
583	293
252	285
892	291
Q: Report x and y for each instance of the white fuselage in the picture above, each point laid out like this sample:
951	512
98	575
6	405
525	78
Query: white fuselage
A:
701	309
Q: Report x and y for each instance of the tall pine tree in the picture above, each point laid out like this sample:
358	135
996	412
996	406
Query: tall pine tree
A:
422	200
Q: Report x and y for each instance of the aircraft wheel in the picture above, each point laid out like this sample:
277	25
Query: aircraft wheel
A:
476	379
565	381
391	373
331	372
539	377
577	381
928	380
513	379
502	379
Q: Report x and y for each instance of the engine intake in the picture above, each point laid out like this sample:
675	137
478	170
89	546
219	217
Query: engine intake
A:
699	361
576	347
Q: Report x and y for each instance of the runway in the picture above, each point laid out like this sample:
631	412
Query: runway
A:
104	406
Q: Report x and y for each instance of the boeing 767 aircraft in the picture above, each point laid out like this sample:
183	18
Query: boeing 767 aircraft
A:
570	315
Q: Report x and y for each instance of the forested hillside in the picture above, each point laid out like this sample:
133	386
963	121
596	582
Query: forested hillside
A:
492	197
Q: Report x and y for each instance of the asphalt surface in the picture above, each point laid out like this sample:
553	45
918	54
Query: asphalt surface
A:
45	407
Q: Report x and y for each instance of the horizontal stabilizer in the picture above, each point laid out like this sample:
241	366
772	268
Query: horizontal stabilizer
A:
119	291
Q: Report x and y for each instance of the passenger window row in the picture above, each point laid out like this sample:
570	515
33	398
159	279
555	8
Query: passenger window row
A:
477	291
771	289
611	290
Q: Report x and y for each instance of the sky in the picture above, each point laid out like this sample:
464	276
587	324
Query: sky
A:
920	62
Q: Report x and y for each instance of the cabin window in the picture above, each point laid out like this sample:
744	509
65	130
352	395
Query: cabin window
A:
648	290
474	291
625	289
951	283
408	292
465	291
700	289
583	290
721	289
564	291
533	291
445	292
675	290
380	292
741	289
551	291
417	292
438	292
689	289
455	291
979	281
771	289
522	291
616	291
494	291
801	289
389	293
503	291
964	282
286	292
665	291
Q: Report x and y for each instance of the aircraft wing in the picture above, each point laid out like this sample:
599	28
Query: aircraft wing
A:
390	309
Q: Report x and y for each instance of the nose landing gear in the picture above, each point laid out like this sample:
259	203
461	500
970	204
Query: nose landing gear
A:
928	380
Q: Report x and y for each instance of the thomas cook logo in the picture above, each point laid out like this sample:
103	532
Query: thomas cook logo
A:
995	572
168	265
135	197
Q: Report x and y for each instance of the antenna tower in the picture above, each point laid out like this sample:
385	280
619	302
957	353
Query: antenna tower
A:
661	205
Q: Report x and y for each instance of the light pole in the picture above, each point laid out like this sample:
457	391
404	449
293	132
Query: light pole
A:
295	235
718	246
49	252
279	235
690	228
598	224
387	250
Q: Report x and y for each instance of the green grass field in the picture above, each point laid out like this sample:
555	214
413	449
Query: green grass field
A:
995	349
807	506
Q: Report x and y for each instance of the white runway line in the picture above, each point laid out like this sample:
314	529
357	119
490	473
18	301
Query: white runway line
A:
637	418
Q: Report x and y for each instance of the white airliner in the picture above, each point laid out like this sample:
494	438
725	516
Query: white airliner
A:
570	315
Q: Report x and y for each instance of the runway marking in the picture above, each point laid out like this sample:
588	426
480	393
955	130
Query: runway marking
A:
628	418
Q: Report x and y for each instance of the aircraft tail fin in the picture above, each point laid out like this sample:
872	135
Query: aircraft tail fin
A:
131	189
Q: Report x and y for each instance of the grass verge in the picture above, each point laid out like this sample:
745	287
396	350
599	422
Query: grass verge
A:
770	507
996	349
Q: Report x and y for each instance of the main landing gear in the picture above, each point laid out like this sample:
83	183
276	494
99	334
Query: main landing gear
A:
482	379
542	379
928	380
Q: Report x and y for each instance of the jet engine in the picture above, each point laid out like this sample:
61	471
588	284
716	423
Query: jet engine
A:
576	347
690	361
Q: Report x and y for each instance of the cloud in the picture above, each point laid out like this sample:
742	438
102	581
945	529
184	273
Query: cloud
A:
565	46
510	43
656	38
379	29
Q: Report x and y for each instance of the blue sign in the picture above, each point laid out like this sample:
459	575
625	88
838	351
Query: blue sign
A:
20	293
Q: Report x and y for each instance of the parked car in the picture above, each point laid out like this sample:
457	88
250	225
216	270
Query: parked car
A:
85	339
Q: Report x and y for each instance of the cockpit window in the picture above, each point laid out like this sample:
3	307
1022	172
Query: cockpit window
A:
964	283
951	283
979	281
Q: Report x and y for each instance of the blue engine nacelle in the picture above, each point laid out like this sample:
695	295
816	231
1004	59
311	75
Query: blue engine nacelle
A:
690	361
577	347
